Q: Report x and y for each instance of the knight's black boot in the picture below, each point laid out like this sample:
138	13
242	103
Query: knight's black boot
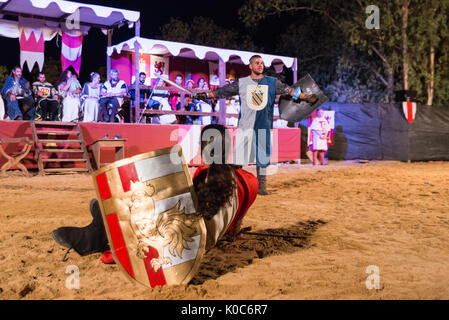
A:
261	176
86	240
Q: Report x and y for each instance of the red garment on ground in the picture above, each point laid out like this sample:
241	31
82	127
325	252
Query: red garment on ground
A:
247	185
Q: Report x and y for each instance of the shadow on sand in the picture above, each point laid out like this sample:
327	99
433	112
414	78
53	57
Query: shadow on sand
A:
227	256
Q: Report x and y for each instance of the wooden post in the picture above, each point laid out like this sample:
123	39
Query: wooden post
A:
405	55
136	66
431	84
222	82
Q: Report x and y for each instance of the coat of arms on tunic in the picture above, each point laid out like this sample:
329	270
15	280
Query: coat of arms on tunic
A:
149	208
257	96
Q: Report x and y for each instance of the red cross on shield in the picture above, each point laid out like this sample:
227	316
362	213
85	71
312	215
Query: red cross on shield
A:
409	109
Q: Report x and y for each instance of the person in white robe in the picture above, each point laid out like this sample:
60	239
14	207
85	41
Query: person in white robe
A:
90	97
69	89
320	136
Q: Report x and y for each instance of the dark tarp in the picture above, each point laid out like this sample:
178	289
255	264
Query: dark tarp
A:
429	134
393	132
381	132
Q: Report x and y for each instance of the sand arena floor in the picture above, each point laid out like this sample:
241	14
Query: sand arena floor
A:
391	215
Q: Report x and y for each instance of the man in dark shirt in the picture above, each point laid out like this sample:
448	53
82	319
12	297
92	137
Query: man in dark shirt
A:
145	94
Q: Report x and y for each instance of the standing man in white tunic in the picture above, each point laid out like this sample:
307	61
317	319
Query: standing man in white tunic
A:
257	97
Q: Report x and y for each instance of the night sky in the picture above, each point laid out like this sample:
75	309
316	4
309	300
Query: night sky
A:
154	14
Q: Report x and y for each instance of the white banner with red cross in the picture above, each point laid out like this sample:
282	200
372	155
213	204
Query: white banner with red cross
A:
409	109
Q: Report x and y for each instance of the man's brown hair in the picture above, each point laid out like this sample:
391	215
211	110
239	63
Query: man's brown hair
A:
254	57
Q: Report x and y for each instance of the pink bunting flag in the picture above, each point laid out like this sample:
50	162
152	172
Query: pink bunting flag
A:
71	51
32	48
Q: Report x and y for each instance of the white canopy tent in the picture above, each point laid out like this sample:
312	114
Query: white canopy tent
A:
163	48
58	10
52	16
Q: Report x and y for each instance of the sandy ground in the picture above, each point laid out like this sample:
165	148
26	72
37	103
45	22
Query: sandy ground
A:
391	215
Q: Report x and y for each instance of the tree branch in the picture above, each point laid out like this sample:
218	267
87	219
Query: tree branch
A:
380	54
316	57
280	10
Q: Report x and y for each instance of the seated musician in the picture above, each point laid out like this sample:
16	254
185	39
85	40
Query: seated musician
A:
46	98
175	99
161	95
19	102
189	105
145	93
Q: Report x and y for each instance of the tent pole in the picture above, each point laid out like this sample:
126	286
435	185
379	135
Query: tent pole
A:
136	65
222	82
295	70
295	79
108	57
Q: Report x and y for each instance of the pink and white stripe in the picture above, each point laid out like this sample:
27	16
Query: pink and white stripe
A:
71	51
31	48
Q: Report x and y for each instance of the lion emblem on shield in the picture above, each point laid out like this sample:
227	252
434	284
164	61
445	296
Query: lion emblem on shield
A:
172	227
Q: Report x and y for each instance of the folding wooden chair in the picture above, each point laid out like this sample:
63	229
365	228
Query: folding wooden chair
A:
15	158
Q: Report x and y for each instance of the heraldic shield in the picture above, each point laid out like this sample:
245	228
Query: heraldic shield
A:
149	209
294	111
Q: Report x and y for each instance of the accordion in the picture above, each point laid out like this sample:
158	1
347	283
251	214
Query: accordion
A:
17	90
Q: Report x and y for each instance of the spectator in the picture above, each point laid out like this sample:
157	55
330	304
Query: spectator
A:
200	83
47	99
189	84
69	88
162	97
145	94
189	105
203	106
16	90
112	93
320	135
175	95
90	97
